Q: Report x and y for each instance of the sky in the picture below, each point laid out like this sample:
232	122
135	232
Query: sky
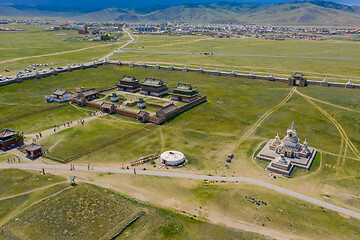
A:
136	3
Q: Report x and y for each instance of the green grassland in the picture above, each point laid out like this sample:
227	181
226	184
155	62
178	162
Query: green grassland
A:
17	181
315	69
87	211
34	41
83	137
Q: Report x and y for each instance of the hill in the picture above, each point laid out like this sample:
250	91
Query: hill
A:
313	12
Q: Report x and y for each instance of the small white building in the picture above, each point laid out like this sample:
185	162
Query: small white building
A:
172	158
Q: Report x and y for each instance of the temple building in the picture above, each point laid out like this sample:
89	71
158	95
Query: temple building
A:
59	95
106	107
287	153
33	150
85	96
154	87
128	84
183	92
7	139
141	103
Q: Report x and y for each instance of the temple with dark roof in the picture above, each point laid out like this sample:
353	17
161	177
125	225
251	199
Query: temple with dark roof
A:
7	139
183	92
128	84
154	87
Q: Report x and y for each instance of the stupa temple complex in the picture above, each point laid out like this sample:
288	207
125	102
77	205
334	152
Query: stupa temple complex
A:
287	153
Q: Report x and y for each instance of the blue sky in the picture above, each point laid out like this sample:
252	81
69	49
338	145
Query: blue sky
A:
136	3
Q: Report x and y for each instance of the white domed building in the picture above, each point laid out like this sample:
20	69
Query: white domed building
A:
172	158
287	153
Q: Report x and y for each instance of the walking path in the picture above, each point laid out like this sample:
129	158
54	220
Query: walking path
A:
30	191
56	53
192	176
132	39
240	55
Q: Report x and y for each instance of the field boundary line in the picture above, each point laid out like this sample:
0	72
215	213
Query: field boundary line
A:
16	213
127	225
30	191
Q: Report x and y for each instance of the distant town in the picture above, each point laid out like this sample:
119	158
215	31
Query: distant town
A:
210	30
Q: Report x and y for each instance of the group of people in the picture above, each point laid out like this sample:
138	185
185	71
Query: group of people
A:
72	167
11	161
37	136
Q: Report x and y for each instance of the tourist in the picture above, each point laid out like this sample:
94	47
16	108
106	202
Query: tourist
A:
134	171
18	159
40	134
70	166
88	167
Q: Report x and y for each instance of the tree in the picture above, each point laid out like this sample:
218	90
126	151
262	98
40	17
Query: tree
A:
18	137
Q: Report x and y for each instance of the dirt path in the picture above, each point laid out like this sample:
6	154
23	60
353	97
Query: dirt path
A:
337	125
327	103
191	176
252	128
56	53
176	43
19	211
33	190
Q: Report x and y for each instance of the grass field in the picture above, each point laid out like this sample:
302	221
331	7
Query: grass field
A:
83	137
34	41
239	116
90	212
17	181
314	69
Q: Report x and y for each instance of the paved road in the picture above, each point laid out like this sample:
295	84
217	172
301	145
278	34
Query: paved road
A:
192	176
239	55
132	39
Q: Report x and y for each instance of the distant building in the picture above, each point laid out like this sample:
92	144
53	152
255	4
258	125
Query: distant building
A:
141	103
7	139
114	97
154	87
83	31
298	80
128	84
183	92
287	153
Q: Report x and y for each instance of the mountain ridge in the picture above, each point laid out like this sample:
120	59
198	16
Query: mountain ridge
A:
312	12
